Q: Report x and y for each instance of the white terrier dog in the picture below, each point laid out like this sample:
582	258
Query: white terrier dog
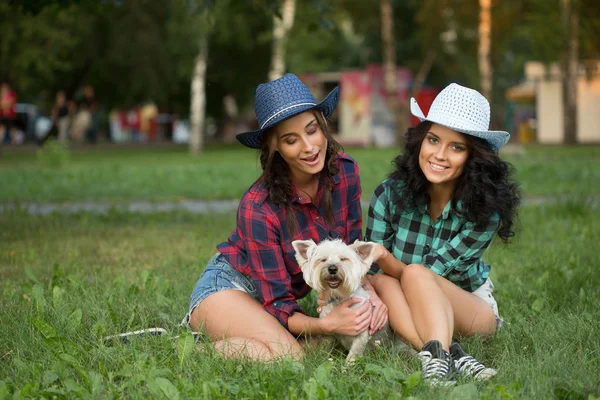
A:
336	270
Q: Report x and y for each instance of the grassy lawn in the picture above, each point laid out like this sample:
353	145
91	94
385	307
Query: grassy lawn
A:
169	174
70	279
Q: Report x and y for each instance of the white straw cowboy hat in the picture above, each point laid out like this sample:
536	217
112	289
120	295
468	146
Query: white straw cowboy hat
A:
282	99
463	110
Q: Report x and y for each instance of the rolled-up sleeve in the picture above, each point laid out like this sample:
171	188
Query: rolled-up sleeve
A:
379	227
267	266
464	250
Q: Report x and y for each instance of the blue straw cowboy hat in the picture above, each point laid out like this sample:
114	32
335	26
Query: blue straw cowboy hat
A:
463	110
281	99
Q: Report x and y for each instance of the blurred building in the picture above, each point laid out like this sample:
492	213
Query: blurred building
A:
536	108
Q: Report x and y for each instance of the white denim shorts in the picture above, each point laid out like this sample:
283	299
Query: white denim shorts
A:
486	292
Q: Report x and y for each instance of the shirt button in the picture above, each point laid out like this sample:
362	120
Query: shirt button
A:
426	249
318	218
299	198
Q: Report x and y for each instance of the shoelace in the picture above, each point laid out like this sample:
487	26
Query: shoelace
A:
468	366
434	367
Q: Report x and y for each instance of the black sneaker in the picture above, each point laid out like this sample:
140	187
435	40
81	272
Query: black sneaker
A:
468	367
436	364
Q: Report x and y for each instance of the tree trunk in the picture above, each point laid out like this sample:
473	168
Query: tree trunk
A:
389	69
198	106
485	31
569	66
419	79
281	26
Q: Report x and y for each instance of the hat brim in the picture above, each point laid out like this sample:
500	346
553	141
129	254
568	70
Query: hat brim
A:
496	139
327	106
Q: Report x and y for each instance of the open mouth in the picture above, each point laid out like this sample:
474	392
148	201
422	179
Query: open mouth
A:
313	160
333	282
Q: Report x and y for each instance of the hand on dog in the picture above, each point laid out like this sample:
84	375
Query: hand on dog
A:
348	321
379	315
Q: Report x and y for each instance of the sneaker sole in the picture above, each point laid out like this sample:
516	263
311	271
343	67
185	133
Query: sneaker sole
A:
125	338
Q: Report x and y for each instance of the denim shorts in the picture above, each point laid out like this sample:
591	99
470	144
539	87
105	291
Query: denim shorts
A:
486	292
217	276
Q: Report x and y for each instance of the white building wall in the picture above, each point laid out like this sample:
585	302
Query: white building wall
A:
588	111
549	112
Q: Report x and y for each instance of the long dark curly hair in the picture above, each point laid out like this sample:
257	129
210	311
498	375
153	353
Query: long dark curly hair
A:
276	174
486	186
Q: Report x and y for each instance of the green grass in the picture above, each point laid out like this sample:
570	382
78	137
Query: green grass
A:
69	280
170	174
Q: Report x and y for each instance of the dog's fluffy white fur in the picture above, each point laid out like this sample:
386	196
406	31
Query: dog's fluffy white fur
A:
336	270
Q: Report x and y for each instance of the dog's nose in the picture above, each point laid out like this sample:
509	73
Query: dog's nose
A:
332	269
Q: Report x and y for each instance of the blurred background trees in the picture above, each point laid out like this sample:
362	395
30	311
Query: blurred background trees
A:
135	50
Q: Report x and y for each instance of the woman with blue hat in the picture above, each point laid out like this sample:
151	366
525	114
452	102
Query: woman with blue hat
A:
434	217
246	298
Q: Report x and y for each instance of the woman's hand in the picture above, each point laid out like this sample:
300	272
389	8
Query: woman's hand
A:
320	303
348	321
380	252
379	315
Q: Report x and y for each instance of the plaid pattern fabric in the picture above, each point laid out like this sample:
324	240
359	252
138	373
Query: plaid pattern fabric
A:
260	246
451	246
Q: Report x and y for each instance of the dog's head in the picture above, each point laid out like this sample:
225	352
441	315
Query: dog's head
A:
332	265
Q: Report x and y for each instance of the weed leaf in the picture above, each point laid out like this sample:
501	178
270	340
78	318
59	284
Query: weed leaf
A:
75	318
46	330
168	388
49	377
464	392
29	273
185	345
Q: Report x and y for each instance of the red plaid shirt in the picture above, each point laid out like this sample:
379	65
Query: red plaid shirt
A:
260	246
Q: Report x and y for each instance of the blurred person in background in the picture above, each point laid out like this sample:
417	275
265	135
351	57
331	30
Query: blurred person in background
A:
8	115
61	116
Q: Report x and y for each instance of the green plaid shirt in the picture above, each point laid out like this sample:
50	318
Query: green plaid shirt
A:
451	246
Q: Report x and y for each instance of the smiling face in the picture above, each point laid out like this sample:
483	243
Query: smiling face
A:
443	155
302	144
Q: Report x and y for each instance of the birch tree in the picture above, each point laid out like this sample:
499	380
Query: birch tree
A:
485	31
281	26
203	17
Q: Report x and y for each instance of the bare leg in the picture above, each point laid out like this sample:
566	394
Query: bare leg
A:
425	306
401	320
472	315
242	328
431	310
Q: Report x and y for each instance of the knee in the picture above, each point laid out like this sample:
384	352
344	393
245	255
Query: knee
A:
414	273
382	281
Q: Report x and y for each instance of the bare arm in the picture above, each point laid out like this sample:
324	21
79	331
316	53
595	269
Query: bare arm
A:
388	263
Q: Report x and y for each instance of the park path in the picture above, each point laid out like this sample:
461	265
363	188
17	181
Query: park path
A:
203	206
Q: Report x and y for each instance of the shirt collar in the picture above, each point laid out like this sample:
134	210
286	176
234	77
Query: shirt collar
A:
424	208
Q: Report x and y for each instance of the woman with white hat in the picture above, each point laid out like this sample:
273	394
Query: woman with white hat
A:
245	299
434	217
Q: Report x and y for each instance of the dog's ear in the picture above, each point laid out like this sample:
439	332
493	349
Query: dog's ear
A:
364	251
302	248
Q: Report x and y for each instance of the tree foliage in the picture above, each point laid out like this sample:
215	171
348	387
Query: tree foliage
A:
135	50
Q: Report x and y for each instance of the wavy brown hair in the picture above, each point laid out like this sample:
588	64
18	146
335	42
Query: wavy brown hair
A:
486	186
276	174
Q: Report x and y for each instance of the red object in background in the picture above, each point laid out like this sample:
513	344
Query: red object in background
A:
424	99
153	129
